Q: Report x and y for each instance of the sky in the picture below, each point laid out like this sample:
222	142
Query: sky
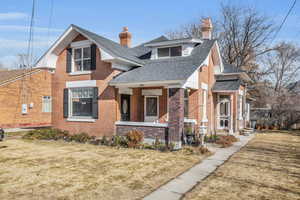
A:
145	20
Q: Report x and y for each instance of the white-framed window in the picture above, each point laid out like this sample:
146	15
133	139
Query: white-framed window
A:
46	104
204	92
169	52
186	103
81	102
151	108
81	59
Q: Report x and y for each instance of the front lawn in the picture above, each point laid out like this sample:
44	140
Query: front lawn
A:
60	170
267	168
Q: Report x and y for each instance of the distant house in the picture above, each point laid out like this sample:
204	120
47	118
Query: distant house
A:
104	88
25	98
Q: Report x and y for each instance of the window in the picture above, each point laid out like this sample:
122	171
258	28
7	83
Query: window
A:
81	102
82	59
46	104
169	52
186	103
151	106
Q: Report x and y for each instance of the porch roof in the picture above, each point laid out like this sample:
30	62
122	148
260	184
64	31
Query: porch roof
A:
177	68
227	85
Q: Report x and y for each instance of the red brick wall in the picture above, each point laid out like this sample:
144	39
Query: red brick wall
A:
36	85
137	104
108	104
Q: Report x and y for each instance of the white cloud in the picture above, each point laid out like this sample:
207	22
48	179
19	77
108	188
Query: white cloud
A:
19	44
13	16
26	28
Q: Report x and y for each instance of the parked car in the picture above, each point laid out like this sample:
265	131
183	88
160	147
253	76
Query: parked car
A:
1	134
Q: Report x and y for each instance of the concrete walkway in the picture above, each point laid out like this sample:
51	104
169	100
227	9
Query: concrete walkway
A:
177	187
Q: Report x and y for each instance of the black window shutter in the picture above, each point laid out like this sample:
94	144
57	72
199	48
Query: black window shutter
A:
69	60
93	56
95	103
66	103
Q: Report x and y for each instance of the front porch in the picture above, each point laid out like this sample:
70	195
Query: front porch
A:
158	112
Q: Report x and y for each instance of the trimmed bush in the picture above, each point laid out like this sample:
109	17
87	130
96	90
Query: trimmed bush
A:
226	140
134	138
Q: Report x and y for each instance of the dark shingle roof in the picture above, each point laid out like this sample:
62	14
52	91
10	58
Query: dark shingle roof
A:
177	68
229	68
110	45
8	75
226	85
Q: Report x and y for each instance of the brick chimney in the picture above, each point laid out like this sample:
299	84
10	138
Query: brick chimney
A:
206	28
125	37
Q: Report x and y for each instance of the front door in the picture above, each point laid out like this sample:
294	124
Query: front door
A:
224	112
125	107
151	108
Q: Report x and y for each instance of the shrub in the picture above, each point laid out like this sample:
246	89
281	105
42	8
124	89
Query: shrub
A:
226	140
120	141
134	138
104	141
81	137
46	134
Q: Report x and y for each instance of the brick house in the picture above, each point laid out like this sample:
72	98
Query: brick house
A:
25	98
103	88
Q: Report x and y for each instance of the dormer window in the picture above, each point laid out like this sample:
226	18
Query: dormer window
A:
169	52
82	59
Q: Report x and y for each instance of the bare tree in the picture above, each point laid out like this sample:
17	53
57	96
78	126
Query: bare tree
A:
284	63
243	35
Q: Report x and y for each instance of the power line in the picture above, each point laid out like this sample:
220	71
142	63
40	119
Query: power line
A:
50	20
31	34
284	20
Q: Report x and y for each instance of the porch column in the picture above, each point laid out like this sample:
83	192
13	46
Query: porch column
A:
176	115
231	127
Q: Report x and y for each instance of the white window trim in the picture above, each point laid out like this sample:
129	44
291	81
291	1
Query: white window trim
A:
79	84
169	47
77	118
80	72
151	118
81	46
50	105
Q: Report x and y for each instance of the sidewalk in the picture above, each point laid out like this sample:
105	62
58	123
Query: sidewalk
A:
177	187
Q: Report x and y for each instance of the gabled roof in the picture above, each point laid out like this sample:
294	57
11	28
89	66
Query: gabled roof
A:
112	48
227	85
9	75
176	68
109	45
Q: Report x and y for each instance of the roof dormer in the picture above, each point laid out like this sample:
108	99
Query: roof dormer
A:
173	48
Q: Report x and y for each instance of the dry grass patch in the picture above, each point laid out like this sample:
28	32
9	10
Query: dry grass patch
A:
267	168
59	170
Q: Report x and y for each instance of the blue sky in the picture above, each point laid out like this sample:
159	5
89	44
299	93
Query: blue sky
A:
145	19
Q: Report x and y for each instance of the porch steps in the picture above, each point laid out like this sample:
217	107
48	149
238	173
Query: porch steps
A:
246	131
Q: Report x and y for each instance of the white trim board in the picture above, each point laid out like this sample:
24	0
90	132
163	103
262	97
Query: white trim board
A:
151	92
78	84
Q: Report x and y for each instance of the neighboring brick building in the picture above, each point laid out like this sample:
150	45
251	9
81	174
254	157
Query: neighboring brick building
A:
25	98
104	88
